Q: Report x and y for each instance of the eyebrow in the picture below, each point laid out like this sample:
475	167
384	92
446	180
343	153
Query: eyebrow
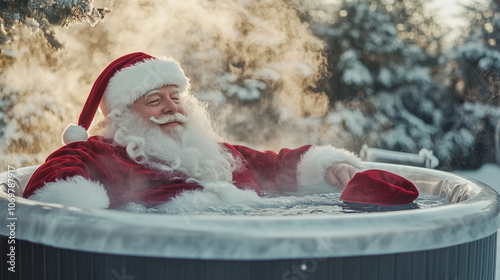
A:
154	91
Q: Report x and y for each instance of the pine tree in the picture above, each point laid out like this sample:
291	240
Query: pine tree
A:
415	23
254	61
30	117
478	58
368	55
382	68
41	15
475	87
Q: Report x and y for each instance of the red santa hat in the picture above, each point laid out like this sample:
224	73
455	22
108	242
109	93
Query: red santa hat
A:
379	187
124	81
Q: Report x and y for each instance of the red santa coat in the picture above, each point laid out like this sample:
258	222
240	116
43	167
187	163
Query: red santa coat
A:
99	174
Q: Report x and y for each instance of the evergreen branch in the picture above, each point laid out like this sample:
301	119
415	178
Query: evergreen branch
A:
46	14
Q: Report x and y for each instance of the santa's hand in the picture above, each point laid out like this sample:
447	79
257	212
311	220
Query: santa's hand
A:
339	174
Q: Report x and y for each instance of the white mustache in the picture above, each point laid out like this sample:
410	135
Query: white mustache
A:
177	117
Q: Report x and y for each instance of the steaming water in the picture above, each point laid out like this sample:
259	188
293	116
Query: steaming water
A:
317	204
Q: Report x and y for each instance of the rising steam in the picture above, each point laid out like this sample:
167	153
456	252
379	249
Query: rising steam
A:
228	48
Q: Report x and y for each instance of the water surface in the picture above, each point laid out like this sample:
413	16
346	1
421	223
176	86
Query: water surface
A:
289	205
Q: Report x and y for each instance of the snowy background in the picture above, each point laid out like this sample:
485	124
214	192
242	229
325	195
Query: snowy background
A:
392	74
400	75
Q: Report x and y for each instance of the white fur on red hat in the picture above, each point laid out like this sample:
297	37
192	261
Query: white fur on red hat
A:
74	133
132	82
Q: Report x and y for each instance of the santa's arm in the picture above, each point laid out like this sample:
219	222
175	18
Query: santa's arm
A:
303	169
65	178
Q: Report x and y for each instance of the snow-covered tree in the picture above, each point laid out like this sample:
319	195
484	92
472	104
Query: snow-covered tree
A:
475	85
254	62
380	76
41	15
478	57
367	54
389	79
269	71
415	23
30	116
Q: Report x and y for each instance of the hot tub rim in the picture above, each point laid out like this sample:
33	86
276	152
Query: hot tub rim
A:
485	220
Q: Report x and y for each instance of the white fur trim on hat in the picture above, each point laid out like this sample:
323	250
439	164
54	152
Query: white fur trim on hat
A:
313	165
75	191
74	133
132	82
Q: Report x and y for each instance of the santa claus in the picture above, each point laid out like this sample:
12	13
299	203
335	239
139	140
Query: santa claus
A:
153	144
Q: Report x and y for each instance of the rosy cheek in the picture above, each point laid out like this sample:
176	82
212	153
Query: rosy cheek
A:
147	112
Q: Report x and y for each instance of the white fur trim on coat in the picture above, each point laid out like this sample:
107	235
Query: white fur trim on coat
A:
75	191
314	163
212	194
132	82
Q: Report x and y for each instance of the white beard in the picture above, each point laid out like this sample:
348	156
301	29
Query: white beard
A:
191	148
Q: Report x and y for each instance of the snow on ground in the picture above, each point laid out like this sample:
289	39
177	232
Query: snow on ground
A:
490	175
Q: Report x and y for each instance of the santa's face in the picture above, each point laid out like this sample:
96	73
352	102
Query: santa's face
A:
191	146
161	106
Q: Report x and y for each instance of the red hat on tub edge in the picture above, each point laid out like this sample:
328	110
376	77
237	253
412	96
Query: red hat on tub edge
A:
379	187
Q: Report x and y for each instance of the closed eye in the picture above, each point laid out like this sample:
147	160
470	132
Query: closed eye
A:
154	102
176	99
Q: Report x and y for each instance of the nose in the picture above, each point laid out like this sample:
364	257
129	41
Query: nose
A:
169	106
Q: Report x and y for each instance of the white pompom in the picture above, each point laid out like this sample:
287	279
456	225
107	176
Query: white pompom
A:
74	133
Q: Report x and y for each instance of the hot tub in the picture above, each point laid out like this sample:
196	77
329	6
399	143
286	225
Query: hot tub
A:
454	241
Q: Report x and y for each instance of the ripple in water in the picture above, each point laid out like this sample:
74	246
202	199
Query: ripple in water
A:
317	204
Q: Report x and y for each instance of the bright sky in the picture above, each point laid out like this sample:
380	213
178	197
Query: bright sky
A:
449	9
449	14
